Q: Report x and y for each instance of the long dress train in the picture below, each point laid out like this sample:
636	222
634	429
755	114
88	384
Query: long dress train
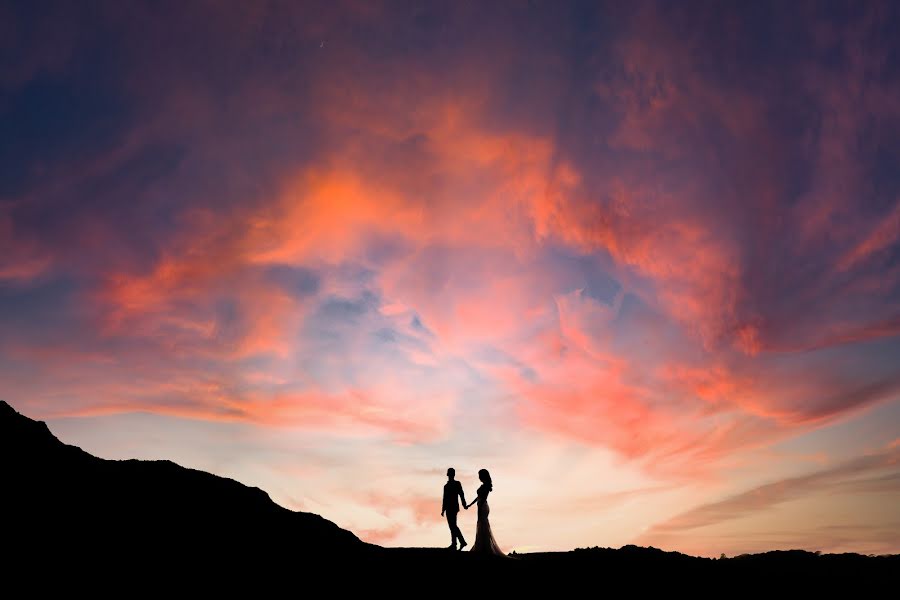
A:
484	538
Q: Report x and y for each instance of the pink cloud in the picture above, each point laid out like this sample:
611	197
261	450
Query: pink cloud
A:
639	252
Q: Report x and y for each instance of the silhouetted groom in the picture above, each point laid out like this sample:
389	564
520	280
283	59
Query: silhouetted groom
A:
452	491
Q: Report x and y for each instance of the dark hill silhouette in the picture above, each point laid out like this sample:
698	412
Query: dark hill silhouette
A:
141	509
64	510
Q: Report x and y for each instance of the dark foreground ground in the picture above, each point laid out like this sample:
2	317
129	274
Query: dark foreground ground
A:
74	522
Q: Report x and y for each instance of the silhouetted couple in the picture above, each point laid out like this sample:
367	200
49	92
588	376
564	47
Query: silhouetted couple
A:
484	539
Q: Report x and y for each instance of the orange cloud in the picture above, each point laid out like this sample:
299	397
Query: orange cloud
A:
452	215
354	412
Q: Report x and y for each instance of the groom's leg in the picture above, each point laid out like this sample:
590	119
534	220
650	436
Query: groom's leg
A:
454	530
462	540
457	533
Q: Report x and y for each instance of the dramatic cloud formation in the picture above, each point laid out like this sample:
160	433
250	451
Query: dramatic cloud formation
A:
636	260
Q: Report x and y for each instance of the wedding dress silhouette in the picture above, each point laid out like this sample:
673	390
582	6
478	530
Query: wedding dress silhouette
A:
484	538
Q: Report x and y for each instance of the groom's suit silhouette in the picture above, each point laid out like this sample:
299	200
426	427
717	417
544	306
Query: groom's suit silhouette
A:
452	491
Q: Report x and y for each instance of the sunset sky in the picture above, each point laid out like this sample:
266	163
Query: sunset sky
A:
641	261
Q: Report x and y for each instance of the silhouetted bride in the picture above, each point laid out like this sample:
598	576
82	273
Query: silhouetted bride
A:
484	539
